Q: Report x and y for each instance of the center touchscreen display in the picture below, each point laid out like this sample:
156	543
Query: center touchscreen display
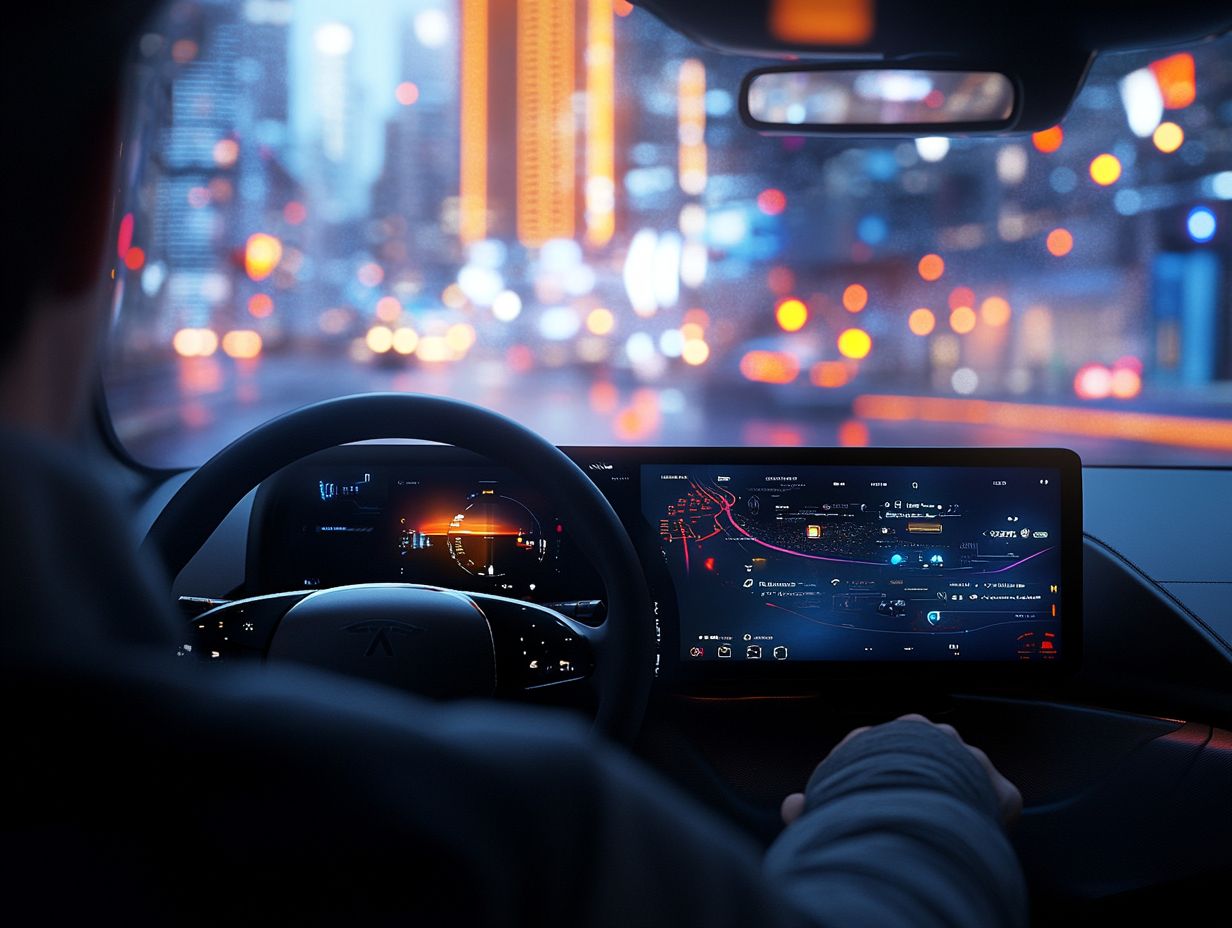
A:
861	563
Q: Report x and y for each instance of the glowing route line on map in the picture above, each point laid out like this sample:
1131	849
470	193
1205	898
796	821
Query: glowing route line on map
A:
726	506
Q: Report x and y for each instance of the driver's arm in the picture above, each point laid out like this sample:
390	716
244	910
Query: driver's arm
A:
901	826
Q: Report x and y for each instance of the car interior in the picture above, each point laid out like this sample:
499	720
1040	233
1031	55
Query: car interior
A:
742	543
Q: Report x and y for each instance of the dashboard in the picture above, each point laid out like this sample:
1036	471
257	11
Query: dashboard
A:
764	564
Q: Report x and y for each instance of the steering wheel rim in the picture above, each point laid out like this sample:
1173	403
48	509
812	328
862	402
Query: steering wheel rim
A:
624	673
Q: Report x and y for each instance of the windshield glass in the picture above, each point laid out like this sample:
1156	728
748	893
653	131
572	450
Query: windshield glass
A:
555	211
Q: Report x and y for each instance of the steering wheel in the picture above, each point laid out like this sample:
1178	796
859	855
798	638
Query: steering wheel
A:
438	642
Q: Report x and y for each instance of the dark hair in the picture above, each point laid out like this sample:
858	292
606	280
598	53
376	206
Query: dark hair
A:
62	61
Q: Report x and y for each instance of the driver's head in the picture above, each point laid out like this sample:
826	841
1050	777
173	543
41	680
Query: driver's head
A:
62	62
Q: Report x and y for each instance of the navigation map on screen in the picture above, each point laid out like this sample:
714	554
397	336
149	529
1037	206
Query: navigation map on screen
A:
847	563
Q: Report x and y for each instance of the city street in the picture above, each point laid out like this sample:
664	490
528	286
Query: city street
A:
216	401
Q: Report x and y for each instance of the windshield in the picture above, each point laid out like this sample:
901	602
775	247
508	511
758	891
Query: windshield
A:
555	211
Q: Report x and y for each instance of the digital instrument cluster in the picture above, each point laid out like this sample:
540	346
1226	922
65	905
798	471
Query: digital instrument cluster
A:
452	521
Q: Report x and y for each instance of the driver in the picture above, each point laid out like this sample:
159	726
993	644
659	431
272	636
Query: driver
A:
178	791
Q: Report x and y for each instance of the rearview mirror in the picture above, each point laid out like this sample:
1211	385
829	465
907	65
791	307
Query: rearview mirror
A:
876	100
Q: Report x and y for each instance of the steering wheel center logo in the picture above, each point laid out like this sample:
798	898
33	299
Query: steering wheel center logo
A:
382	635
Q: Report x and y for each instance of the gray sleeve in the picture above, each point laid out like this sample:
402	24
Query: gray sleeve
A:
901	827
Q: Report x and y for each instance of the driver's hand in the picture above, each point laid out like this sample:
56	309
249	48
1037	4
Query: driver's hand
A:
1008	796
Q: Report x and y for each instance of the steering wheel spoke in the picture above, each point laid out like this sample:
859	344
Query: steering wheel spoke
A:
538	646
238	630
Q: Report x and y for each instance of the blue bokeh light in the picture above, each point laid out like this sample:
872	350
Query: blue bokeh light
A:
1201	224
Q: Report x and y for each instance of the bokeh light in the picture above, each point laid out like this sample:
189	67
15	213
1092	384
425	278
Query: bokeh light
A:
1048	140
1168	137
961	296
242	344
600	321
830	374
1177	82
380	339
1201	224
931	267
1125	383
772	201
1060	242
226	152
262	252
854	344
406	93
855	298
791	314
995	311
962	320
1105	169
921	321
695	352
769	366
194	343
405	340
388	309
1093	382
260	305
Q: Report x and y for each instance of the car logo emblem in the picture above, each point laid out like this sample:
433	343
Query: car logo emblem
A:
382	632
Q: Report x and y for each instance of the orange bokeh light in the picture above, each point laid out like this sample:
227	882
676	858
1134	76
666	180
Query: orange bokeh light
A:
1060	242
995	311
853	434
830	374
1049	140
769	366
1105	169
791	314
962	320
242	344
854	344
1126	383
921	321
1178	431
931	267
1177	83
822	22
134	258
622	7
855	298
260	305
